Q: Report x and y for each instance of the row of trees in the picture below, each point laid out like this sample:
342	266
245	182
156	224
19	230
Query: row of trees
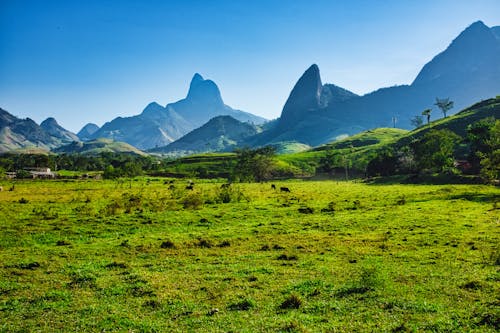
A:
113	165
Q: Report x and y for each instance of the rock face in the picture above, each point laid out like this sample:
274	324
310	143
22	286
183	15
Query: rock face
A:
51	126
305	97
18	133
158	126
86	132
222	133
466	72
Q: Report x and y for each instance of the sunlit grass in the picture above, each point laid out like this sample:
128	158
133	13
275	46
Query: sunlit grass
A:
328	256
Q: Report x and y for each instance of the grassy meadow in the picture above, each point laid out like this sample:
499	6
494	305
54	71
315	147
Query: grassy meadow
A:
145	255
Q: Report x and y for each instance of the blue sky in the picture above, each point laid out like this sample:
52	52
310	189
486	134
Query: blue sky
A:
91	61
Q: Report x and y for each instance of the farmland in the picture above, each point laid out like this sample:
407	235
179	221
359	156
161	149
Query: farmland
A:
147	255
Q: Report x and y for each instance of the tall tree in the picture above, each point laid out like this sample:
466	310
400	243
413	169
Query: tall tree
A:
444	105
427	113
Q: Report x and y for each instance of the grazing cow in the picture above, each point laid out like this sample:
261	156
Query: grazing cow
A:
284	189
273	186
190	186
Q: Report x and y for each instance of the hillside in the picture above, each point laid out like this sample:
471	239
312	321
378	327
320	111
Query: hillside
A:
98	146
222	133
457	123
358	149
19	134
51	126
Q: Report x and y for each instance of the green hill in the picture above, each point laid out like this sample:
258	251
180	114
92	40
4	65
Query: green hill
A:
358	150
457	123
98	146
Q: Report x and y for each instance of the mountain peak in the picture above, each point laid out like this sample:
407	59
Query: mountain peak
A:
49	122
474	33
86	132
305	95
197	78
473	48
206	91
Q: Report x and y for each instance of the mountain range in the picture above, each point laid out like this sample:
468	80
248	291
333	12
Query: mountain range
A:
18	134
467	71
158	126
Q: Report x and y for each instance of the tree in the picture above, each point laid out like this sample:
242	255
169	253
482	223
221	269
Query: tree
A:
444	104
490	159
478	136
417	121
254	164
384	164
434	151
427	113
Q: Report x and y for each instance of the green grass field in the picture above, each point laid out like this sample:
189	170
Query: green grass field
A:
145	256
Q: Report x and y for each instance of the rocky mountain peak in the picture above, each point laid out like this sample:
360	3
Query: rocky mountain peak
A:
49	122
305	95
204	91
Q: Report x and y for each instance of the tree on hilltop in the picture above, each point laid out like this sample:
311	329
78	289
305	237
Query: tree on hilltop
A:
444	105
427	113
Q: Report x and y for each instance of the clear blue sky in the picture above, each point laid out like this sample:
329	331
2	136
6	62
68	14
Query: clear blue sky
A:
91	61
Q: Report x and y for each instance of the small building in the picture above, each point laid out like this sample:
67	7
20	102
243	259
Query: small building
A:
41	172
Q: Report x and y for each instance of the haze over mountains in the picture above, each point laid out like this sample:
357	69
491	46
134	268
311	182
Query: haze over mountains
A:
467	71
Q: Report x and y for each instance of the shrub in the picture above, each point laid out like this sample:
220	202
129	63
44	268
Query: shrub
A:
242	305
293	301
167	245
192	201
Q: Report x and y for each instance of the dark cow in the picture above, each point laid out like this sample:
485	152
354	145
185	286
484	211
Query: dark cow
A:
273	186
284	189
190	187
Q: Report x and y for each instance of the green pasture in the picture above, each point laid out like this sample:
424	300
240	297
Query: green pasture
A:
147	255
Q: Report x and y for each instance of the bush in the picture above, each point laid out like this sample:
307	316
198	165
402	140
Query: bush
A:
193	200
293	301
242	305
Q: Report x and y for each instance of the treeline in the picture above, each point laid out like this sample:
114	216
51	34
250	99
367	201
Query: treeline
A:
112	164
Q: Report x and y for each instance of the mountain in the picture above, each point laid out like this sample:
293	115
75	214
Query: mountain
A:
95	147
221	133
304	98
304	118
51	126
496	31
86	132
158	126
18	133
468	70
